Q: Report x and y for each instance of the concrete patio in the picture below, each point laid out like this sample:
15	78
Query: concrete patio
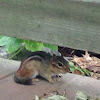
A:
9	90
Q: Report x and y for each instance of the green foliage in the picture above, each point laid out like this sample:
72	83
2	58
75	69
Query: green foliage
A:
73	67
33	46
54	97
83	71
3	40
54	47
13	44
77	68
1	36
87	71
57	97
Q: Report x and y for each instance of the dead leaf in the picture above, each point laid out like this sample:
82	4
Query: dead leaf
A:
87	62
94	69
95	75
95	59
77	72
87	56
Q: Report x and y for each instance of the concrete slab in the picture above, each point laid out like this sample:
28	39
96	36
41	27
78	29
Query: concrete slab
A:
8	67
9	90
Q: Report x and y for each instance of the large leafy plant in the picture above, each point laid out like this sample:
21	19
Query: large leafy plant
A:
15	44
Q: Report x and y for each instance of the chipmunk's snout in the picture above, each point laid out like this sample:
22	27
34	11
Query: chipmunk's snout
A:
67	68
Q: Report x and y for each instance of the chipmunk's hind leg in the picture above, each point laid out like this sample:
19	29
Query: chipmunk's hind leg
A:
23	80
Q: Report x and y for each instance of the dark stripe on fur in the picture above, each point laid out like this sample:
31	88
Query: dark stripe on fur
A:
23	80
37	58
42	54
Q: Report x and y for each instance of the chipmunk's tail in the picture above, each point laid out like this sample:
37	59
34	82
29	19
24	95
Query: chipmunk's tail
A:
23	80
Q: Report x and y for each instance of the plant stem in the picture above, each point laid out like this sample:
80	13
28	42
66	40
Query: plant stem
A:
16	53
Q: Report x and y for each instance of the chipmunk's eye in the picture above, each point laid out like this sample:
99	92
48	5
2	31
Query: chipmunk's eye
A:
60	64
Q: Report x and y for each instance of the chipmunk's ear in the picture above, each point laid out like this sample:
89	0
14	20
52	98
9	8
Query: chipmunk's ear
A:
54	58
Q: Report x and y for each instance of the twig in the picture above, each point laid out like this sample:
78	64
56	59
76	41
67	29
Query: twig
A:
16	53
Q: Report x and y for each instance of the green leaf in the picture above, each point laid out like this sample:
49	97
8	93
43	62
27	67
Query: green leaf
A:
71	64
36	97
73	67
13	44
33	46
57	97
53	47
1	36
3	40
54	97
77	68
87	71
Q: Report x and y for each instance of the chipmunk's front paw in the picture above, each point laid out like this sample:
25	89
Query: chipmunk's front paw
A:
51	80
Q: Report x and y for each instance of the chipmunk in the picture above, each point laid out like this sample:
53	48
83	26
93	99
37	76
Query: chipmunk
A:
43	64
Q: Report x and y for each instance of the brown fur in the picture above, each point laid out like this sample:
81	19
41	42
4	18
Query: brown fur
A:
46	66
